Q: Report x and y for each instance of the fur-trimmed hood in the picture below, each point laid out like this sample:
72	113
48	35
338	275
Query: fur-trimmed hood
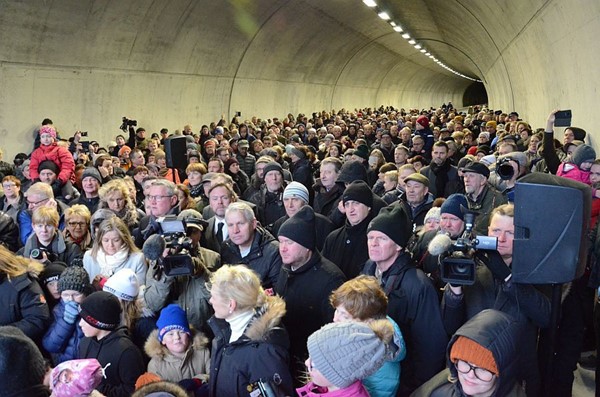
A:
155	349
267	318
155	387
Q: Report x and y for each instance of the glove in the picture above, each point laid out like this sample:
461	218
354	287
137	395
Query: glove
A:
71	312
495	263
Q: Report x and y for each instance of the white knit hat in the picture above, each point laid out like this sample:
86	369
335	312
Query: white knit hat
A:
123	284
296	189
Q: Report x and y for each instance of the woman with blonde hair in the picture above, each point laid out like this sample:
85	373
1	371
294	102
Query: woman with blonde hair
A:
113	250
115	196
250	344
77	230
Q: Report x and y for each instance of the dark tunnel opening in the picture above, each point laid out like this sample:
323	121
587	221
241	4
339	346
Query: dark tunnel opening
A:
475	94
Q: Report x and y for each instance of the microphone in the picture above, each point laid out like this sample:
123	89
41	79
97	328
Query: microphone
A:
154	247
440	244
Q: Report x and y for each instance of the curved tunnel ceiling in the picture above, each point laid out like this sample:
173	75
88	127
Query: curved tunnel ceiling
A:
86	63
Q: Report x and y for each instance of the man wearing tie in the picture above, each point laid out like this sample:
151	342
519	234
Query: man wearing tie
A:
219	198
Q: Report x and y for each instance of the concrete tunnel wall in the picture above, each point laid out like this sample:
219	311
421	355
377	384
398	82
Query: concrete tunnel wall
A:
85	63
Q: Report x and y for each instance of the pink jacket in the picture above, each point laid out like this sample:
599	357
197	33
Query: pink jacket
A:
572	171
354	390
58	155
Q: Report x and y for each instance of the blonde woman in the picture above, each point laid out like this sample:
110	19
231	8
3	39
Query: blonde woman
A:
77	226
250	344
113	250
115	196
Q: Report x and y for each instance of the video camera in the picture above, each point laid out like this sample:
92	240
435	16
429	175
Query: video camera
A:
128	123
504	169
173	232
458	265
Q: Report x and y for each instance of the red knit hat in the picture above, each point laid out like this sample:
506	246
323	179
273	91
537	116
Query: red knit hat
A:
424	121
472	352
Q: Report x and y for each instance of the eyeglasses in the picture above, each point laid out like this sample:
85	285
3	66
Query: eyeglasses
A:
480	373
70	297
76	224
157	198
35	203
9	185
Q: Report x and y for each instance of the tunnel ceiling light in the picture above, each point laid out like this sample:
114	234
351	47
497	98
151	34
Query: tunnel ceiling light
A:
423	50
412	42
406	36
418	46
384	15
398	29
370	3
427	54
393	23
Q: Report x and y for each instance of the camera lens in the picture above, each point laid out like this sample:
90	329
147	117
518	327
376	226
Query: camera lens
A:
36	253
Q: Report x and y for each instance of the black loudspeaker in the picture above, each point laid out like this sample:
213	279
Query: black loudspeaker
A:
176	151
551	221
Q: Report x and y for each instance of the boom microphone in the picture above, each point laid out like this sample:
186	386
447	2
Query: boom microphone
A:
153	247
438	245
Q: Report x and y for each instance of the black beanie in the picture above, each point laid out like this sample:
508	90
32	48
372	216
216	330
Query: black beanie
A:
358	191
352	171
272	166
101	310
74	278
49	165
578	133
22	367
52	272
301	228
362	151
394	222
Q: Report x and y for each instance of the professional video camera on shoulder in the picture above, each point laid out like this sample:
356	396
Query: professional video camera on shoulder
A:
128	123
457	259
504	168
172	235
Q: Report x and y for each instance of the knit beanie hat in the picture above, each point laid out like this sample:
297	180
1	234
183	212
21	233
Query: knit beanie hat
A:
472	352
123	284
101	310
578	133
172	317
92	172
296	189
86	375
394	222
48	129
352	171
191	146
453	205
49	165
362	151
358	191
582	154
52	272
74	278
22	367
291	149
484	134
145	379
346	352
227	163
124	149
423	121
273	166
433	213
301	228
491	123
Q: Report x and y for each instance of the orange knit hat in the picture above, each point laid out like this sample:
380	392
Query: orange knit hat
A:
146	378
472	352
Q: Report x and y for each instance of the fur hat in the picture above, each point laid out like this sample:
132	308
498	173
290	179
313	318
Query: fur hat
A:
296	189
92	172
453	205
101	310
346	352
74	278
172	317
48	129
49	165
394	222
301	228
123	284
358	191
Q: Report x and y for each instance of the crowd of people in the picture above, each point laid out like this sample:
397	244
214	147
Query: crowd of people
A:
295	256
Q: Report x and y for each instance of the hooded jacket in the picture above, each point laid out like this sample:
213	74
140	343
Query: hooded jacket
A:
263	257
497	332
260	353
62	339
195	363
58	155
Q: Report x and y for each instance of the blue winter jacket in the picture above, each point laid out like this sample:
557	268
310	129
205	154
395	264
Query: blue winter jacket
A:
62	339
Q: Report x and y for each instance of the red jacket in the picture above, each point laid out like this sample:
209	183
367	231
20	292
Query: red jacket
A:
58	155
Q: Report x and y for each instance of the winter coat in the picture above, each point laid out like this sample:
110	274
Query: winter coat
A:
260	353
417	214
347	248
135	261
414	306
26	228
452	184
302	173
63	251
23	304
62	339
263	257
247	163
270	205
9	232
195	363
58	155
573	172
326	202
354	390
385	382
306	292
189	292
489	199
323	226
126	362
498	333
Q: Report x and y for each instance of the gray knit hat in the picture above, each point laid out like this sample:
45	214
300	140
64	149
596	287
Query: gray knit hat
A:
92	172
74	278
296	189
346	352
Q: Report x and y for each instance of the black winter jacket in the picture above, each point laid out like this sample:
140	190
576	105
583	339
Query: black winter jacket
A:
327	201
9	232
323	226
347	248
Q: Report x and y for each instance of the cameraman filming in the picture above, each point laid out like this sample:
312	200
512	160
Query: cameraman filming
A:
188	291
494	289
509	168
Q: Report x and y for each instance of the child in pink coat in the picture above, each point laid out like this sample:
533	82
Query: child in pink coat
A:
49	150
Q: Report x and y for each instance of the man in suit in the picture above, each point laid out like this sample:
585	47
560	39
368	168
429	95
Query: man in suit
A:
220	196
